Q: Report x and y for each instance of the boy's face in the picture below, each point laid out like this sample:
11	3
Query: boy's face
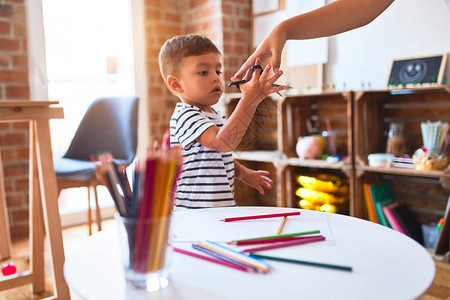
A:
200	80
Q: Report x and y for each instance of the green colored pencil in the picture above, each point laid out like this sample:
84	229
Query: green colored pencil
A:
278	236
302	262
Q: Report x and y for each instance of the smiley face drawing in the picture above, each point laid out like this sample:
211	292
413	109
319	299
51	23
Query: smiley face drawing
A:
413	71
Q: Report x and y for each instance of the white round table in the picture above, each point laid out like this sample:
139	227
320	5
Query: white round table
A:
386	264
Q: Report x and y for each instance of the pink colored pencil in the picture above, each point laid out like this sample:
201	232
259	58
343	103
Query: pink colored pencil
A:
141	244
308	239
269	241
214	260
296	213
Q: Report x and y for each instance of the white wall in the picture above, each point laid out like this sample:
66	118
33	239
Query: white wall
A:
407	28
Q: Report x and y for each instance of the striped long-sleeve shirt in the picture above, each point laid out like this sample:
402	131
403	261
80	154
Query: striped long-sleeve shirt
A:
207	178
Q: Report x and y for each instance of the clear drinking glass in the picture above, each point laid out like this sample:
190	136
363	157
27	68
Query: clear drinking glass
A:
146	251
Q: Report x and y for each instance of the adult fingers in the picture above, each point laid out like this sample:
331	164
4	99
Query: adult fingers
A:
248	75
276	61
245	67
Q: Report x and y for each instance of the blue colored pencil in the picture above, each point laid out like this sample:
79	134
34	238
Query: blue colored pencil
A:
223	257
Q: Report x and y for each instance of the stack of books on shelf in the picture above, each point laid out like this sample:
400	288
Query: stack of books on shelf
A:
382	209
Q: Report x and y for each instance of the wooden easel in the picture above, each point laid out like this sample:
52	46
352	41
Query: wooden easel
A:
44	214
5	238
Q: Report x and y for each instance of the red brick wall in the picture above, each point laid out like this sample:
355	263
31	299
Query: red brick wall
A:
14	136
237	38
227	23
163	19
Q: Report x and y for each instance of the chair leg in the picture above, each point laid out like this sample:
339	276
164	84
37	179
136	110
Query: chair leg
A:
97	209
89	213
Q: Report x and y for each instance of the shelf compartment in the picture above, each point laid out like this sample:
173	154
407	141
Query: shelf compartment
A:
297	111
425	196
262	133
248	196
376	110
289	174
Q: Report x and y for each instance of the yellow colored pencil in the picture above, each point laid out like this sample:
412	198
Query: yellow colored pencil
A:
164	216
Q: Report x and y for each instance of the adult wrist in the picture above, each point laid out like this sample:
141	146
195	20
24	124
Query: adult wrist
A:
283	30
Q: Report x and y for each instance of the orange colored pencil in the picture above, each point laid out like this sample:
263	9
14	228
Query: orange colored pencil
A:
281	225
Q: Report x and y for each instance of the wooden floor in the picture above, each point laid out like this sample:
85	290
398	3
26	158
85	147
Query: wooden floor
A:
440	288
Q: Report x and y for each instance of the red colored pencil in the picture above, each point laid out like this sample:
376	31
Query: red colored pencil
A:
214	260
268	241
309	239
296	213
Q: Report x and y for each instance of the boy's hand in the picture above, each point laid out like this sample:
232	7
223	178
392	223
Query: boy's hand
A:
259	84
257	180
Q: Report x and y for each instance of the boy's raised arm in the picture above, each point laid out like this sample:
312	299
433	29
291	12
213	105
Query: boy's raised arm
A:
228	137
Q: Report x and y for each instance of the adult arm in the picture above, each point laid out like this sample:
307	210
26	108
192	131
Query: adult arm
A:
331	19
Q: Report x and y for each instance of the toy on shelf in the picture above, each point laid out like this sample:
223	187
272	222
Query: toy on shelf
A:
323	192
431	156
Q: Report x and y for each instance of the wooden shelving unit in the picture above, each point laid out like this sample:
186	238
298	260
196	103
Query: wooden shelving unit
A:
270	142
361	121
425	191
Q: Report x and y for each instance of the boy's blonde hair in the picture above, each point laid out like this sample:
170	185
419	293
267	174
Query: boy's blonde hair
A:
179	47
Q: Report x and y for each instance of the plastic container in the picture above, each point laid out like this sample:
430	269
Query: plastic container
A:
380	160
430	236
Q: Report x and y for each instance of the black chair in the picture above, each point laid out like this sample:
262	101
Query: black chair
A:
110	124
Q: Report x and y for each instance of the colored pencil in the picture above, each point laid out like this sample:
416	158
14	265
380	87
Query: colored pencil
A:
140	259
303	262
310	239
296	213
222	257
279	236
283	221
247	256
236	257
214	260
268	241
147	207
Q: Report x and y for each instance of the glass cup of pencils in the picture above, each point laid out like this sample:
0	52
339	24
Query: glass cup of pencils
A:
146	251
144	208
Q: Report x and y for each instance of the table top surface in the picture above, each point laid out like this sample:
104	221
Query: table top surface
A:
386	264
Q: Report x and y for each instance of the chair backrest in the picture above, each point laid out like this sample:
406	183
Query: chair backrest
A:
110	124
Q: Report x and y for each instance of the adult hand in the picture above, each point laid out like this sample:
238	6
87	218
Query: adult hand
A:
271	46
